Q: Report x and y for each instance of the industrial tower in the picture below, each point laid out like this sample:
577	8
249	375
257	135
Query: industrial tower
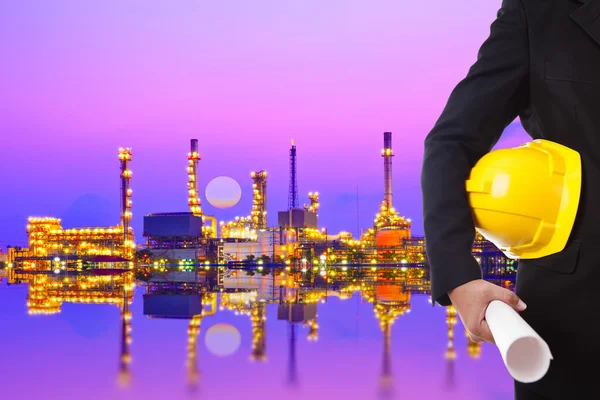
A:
293	191
450	350
125	158
208	230
387	155
259	199
314	202
193	158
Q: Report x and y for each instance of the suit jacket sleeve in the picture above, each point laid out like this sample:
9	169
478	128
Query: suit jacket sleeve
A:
480	107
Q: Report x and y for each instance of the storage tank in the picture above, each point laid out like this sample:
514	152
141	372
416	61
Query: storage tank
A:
391	237
391	294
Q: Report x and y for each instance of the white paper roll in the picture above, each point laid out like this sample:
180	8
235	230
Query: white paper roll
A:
525	354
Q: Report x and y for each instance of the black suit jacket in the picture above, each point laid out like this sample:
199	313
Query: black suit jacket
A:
541	62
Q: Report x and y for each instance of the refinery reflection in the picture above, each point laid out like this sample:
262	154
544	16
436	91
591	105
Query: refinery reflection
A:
295	297
47	292
176	300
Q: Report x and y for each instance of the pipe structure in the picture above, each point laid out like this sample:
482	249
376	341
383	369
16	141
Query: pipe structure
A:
128	245
259	199
387	155
314	202
193	198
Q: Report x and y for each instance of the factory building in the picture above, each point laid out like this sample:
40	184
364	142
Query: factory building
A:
246	227
166	229
297	218
174	235
268	242
183	235
49	240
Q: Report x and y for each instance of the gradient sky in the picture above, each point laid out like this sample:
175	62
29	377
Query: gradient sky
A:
80	79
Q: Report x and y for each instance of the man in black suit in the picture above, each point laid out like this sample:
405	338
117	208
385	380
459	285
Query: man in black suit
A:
541	62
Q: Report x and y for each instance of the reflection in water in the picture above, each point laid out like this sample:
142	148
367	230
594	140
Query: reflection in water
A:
473	348
259	331
193	375
47	293
296	300
450	350
389	302
292	375
125	356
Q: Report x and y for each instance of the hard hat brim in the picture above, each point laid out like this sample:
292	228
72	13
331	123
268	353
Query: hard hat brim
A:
568	208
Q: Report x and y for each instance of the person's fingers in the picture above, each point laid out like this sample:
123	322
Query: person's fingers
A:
475	338
509	297
485	333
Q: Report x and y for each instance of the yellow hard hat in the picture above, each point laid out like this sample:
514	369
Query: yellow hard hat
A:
525	199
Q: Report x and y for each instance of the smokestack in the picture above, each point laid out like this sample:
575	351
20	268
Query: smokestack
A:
387	168
193	198
125	158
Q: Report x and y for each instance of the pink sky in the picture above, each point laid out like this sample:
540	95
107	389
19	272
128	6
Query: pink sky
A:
84	78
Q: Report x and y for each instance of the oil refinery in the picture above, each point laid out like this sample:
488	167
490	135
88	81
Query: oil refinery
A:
193	241
54	247
191	268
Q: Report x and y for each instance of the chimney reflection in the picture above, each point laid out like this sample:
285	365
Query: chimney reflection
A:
473	348
248	303
299	306
389	302
450	381
47	292
182	300
259	331
124	376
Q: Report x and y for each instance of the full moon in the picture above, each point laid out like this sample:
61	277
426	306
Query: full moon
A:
222	340
223	192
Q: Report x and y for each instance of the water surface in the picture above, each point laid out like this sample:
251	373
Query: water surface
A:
76	354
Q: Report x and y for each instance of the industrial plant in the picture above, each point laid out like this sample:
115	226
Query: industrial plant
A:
191	267
54	247
193	241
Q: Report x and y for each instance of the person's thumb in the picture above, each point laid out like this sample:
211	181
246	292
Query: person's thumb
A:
513	300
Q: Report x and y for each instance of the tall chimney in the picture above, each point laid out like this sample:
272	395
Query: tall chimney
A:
125	158
387	168
193	198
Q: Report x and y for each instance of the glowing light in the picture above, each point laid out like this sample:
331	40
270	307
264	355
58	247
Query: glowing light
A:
222	340
223	192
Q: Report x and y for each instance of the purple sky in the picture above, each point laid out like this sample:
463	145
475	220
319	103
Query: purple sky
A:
80	79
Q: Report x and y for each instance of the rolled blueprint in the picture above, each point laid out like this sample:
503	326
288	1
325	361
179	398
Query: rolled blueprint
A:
525	354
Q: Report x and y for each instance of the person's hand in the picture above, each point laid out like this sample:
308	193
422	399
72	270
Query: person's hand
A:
471	300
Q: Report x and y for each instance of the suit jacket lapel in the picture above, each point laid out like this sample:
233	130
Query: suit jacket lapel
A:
588	18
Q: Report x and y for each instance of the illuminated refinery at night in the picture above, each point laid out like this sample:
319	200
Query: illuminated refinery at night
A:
191	241
191	267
